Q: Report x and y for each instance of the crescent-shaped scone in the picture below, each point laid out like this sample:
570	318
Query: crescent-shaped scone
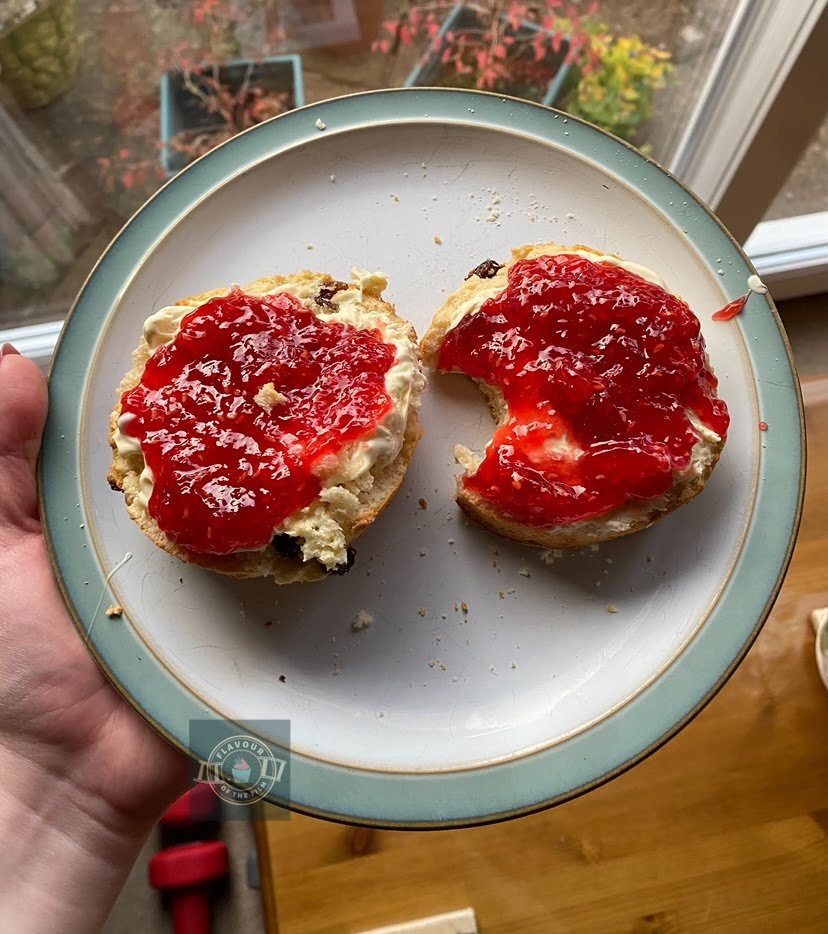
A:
508	516
356	484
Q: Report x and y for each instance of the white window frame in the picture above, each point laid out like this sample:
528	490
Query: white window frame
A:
758	53
773	49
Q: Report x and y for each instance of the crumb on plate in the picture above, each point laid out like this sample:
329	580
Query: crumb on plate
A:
362	620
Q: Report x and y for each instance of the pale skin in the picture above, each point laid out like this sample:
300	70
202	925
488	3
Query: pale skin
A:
83	779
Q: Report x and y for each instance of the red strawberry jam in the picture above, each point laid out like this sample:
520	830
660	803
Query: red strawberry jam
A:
598	368
228	471
731	309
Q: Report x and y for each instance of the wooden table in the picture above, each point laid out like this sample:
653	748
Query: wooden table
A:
723	829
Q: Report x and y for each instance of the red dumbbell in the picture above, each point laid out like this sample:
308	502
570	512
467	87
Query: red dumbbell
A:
198	805
185	871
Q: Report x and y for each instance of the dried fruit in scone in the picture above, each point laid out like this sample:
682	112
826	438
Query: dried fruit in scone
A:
260	430
597	376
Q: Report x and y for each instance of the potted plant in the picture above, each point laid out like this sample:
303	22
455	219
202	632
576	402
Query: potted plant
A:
38	49
204	106
217	80
209	92
495	45
617	93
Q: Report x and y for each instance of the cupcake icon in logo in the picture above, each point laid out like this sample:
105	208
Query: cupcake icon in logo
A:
241	770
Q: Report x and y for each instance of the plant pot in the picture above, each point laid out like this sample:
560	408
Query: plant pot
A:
462	19
181	110
39	55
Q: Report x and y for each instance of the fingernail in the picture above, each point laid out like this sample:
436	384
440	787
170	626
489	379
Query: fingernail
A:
7	349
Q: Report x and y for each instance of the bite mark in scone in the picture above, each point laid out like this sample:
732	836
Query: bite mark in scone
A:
598	379
294	399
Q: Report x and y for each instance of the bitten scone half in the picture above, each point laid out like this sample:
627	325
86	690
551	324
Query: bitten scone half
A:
577	355
353	357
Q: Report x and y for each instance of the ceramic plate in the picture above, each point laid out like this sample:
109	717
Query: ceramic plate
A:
432	716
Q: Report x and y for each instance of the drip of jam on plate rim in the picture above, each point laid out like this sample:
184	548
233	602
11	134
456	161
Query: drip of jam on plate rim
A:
731	309
598	368
227	471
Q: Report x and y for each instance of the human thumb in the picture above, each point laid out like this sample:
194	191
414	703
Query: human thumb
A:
23	405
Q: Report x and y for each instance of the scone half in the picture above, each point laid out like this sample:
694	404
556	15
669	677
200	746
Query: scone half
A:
314	541
488	281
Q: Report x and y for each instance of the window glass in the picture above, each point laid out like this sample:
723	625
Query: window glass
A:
101	102
806	189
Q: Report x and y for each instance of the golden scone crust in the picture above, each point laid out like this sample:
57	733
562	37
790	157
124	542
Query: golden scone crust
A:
125	471
615	524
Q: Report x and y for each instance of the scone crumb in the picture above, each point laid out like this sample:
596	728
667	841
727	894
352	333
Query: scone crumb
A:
114	610
464	606
333	178
611	608
268	397
513	665
362	620
501	595
437	240
422	503
423	552
524	572
422	611
320	125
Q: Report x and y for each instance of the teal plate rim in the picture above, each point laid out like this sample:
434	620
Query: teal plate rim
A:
527	783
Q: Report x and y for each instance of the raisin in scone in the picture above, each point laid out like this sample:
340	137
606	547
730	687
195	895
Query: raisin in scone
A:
260	430
599	382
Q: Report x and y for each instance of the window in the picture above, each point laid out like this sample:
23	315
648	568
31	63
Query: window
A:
86	136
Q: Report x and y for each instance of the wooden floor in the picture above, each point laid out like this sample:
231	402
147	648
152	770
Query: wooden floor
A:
724	829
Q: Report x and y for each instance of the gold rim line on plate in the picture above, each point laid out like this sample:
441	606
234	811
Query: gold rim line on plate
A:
714	688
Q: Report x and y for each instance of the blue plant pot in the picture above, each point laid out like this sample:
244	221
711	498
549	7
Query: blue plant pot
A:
180	110
462	18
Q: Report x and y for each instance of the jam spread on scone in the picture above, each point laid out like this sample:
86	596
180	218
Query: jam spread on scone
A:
238	411
599	369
